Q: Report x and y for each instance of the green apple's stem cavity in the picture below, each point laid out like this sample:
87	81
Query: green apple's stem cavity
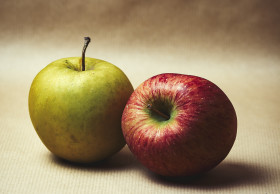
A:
165	116
87	41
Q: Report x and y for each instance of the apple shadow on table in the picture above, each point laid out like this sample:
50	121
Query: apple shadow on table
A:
119	161
227	174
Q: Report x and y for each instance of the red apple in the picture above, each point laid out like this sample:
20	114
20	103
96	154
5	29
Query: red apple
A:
179	125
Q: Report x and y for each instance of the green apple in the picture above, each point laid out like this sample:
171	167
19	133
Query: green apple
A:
76	105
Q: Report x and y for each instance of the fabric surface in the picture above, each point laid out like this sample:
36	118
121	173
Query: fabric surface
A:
235	44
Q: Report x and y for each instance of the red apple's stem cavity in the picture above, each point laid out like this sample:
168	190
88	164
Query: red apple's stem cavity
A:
87	41
149	106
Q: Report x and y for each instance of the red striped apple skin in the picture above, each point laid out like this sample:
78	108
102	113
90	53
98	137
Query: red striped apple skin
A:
198	135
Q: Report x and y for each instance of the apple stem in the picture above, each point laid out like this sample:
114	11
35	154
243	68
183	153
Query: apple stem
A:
149	106
87	41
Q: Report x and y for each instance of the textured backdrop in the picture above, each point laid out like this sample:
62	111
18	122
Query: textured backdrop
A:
235	44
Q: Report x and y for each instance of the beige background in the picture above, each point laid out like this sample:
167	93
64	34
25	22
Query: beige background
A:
235	44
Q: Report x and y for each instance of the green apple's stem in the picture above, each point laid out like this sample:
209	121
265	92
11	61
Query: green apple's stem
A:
87	41
149	106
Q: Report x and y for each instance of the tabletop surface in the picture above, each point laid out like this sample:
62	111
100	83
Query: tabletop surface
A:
236	45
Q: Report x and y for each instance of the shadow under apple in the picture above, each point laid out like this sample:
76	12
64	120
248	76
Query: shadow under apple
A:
227	174
119	161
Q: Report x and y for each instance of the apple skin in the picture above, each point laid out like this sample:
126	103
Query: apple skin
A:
198	135
77	114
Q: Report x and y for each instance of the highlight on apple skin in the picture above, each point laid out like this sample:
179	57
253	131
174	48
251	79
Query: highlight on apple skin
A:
179	125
